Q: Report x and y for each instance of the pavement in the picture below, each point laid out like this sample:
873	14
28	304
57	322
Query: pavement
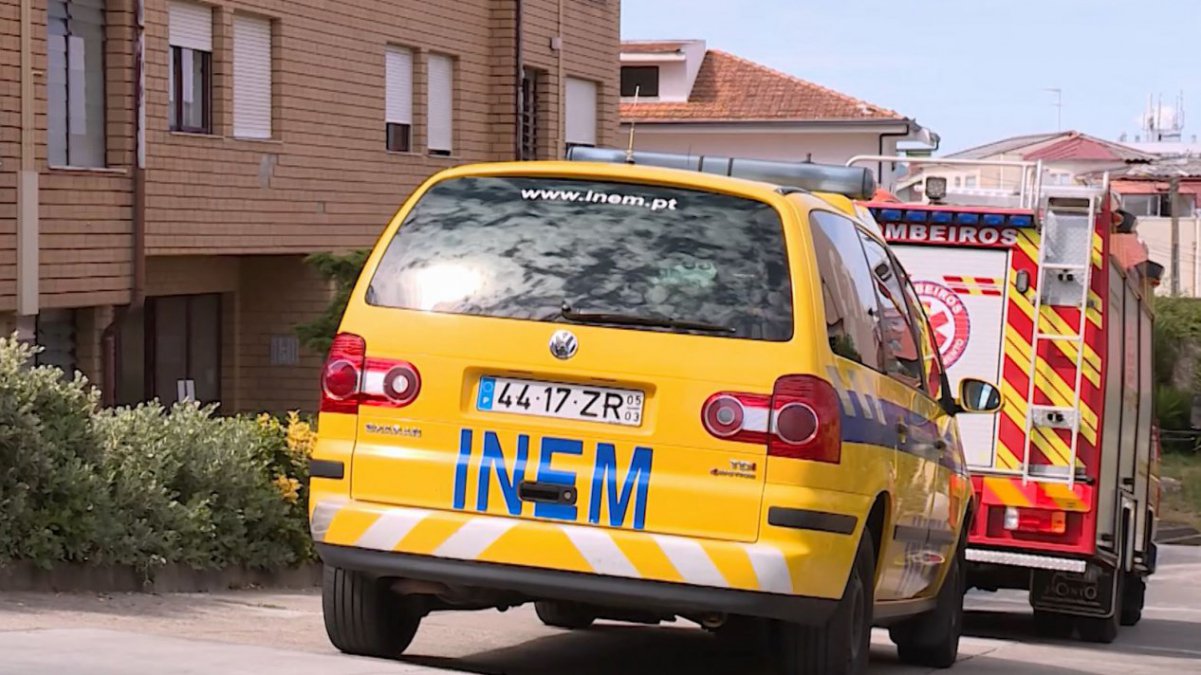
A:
273	633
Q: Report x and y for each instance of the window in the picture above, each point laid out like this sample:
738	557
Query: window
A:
171	351
398	103
1141	205
969	181
531	80
190	77
441	104
56	336
1058	178
903	357
75	88
581	112
252	77
519	248
640	80
852	322
932	362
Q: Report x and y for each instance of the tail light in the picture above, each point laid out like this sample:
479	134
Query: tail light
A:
350	379
1038	521
800	420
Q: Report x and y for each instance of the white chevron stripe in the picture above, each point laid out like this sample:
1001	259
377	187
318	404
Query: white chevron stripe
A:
323	517
691	561
474	537
392	526
601	552
771	569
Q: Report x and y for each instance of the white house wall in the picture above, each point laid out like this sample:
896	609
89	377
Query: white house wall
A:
827	148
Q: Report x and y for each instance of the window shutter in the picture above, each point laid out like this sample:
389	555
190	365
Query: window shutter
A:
441	102
252	77
581	111
191	26
398	76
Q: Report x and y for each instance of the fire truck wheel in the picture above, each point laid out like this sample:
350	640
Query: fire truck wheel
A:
1104	630
1054	625
1133	598
843	645
932	639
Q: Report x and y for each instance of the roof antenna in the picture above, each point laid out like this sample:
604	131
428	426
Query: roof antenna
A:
630	148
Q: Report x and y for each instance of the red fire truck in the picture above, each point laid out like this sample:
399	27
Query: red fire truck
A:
1045	290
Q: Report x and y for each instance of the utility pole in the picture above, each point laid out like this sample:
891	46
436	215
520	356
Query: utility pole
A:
1173	191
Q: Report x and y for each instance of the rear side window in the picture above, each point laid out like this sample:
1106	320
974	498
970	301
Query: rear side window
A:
903	353
852	324
523	248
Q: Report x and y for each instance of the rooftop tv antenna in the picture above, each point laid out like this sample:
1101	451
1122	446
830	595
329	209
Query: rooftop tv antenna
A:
1058	106
630	148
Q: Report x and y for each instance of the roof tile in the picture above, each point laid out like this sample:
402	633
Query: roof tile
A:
731	88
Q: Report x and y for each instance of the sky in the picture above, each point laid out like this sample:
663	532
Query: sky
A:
973	71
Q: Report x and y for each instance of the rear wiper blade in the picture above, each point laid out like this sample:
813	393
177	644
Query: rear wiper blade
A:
576	316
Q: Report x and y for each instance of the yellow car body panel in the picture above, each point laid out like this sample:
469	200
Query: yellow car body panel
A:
661	500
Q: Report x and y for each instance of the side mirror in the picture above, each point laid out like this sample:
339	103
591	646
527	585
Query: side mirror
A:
978	396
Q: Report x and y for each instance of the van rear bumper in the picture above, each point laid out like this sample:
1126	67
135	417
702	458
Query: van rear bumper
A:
594	589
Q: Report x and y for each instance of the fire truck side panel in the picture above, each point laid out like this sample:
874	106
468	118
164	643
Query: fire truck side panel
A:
1107	499
1142	520
965	299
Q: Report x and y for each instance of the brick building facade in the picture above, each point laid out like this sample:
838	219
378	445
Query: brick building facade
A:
272	129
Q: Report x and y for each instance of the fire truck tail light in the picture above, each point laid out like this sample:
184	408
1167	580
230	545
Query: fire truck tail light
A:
1036	521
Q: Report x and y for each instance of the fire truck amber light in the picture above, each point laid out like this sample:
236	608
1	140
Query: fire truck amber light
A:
1035	520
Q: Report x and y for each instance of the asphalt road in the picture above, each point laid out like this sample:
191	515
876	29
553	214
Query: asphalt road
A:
269	633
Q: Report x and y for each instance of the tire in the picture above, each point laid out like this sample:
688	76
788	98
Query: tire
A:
932	639
1053	625
364	617
1134	597
1104	630
842	646
563	615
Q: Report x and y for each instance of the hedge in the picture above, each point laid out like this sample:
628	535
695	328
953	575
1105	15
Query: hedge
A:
143	486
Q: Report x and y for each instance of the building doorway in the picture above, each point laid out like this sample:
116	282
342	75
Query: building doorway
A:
171	351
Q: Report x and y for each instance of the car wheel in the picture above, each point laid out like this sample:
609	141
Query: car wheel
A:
563	615
1134	597
932	639
364	617
843	644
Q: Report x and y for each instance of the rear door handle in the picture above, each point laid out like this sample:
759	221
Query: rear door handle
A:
547	493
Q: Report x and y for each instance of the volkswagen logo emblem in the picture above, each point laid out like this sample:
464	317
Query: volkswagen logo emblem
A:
564	345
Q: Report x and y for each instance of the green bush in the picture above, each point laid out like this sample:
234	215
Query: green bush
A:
143	486
343	271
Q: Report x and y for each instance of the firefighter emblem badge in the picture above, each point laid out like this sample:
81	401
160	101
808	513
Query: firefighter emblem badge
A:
948	319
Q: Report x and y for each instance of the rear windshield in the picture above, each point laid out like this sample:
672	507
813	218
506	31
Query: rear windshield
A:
523	248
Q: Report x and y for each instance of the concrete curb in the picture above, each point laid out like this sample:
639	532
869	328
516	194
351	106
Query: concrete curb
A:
76	578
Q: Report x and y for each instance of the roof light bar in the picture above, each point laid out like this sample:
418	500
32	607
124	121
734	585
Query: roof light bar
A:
951	217
851	182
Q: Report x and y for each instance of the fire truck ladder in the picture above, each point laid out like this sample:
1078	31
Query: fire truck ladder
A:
1064	279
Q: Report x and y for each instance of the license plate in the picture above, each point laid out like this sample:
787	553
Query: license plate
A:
560	400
